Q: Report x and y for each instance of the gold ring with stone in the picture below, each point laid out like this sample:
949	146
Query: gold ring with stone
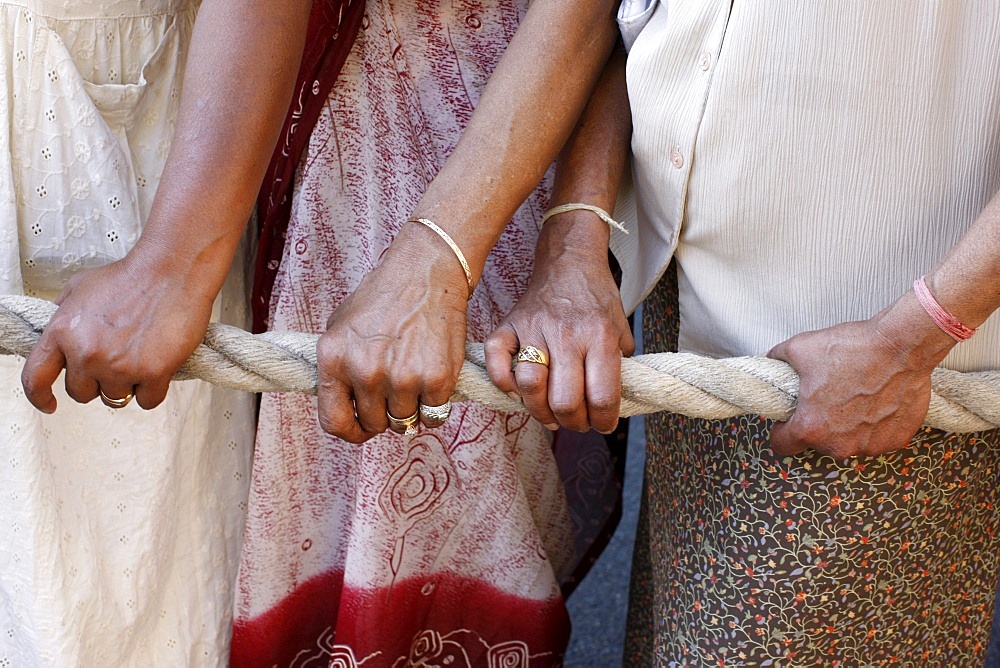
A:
435	416
115	403
404	426
531	354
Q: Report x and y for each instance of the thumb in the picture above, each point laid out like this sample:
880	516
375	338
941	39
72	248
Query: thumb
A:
783	442
40	371
501	346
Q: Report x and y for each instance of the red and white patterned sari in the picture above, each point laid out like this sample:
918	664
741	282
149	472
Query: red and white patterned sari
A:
453	542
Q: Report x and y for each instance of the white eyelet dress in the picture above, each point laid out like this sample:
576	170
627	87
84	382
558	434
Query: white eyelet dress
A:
119	529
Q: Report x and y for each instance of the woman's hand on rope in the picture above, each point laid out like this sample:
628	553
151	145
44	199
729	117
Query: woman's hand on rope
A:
397	342
572	312
120	329
864	387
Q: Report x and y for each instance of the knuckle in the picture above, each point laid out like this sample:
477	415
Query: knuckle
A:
495	344
77	396
796	347
606	330
83	356
439	386
504	382
329	350
335	425
808	430
326	387
405	382
604	405
158	371
367	377
149	403
565	407
367	428
532	385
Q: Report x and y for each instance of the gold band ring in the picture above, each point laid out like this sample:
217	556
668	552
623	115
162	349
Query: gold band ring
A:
435	416
115	403
404	426
530	354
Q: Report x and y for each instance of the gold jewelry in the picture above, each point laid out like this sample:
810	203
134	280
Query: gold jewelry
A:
454	248
404	426
530	354
575	206
115	403
435	416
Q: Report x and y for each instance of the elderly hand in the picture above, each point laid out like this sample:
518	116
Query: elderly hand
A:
397	342
120	329
864	386
571	311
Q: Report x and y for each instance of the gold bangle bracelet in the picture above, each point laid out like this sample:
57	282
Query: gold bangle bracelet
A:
454	247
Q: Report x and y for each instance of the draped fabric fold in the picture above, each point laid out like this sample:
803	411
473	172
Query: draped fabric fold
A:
333	27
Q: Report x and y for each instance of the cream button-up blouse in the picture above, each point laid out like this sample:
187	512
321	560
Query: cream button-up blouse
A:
806	161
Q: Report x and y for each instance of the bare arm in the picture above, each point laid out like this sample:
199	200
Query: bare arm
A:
399	339
572	308
865	386
131	324
525	116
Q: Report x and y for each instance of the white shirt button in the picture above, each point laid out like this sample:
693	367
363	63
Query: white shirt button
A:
676	159
705	61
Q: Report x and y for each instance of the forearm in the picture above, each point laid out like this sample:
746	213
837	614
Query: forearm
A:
966	284
967	281
591	165
240	72
523	119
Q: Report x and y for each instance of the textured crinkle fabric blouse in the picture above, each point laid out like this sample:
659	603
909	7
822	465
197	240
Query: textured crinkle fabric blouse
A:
804	163
121	528
808	162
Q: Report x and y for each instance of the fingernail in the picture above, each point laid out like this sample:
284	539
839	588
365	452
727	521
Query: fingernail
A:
609	431
552	427
514	396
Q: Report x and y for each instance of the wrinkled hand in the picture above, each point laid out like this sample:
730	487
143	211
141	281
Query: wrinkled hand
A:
120	328
396	342
864	386
572	311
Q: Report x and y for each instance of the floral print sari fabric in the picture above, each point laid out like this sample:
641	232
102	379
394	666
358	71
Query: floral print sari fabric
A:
755	560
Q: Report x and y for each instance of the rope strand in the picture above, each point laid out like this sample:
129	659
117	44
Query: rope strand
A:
677	382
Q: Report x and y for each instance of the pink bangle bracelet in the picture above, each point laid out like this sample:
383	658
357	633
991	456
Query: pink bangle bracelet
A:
948	323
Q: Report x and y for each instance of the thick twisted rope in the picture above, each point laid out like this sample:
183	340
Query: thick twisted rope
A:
677	382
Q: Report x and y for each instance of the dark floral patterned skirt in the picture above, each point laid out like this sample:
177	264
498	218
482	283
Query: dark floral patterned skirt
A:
747	559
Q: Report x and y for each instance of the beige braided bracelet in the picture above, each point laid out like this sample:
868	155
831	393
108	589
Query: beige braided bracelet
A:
575	206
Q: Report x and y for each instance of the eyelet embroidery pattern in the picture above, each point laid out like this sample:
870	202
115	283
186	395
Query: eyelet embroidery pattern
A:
72	111
102	491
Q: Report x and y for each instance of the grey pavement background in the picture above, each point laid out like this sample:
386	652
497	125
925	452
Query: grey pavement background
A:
600	602
993	655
